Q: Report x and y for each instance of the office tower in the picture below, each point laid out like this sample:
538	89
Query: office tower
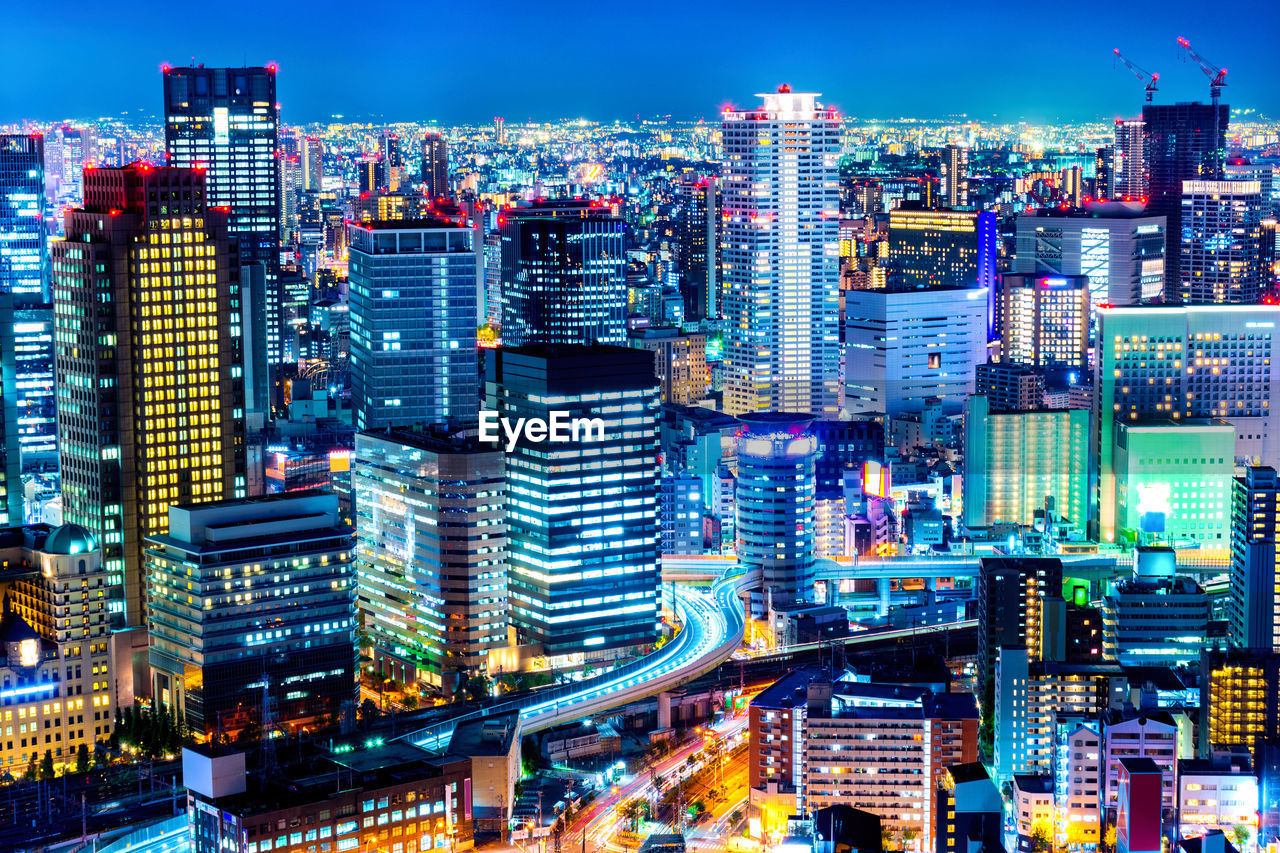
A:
23	232
1010	590
582	576
289	178
252	592
435	166
904	347
54	632
1172	480
680	360
499	130
1129	172
37	417
1158	362
311	161
69	151
1243	169
150	396
11	496
780	202
775	502
1045	321
225	121
563	274
392	160
371	175
1009	387
432	538
1154	618
1017	463
1253	608
413	302
698	235
1139	807
235	806
942	248
1181	142
969	810
955	176
1222	243
1119	246
1239	699
1104	179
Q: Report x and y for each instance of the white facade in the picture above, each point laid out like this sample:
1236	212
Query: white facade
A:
1212	797
1141	737
1122	253
781	224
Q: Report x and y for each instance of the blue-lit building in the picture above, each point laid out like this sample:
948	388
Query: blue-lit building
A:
252	591
563	273
37	414
23	231
11	509
413	302
777	455
582	513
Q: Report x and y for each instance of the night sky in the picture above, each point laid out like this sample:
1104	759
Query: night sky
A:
463	61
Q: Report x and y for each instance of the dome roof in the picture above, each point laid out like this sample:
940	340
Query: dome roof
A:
69	539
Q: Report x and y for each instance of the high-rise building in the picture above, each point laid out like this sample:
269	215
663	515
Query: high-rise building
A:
435	166
1118	245
955	176
1181	142
1010	591
1239	699
499	130
775	502
680	360
1253	609
392	159
1192	362
1129	170
1019	462
431	551
225	121
1222	243
149	365
1104	179
904	347
942	248
311	161
563	274
1044	320
23	231
698	233
413	302
54	635
1155	619
1009	387
781	267
582	575
37	416
11	493
371	174
253	598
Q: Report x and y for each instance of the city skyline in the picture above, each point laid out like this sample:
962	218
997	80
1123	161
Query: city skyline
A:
980	64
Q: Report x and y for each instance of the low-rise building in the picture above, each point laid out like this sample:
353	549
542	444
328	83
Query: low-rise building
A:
1033	810
1216	793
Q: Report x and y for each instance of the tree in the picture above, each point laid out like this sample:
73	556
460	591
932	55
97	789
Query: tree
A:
33	770
1041	836
82	758
1109	838
909	834
46	766
1240	835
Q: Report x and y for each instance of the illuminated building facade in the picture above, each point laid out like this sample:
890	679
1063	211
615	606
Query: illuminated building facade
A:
781	221
435	166
1239	699
1185	362
11	497
252	591
311	164
23	232
432	539
777	454
1120	246
1155	621
1222	243
942	248
1253	608
1010	387
1216	793
904	347
58	692
955	176
1126	736
1016	461
225	121
413	302
698	233
1078	779
680	359
582	514
563	271
1045	320
1009	605
148	356
1129	169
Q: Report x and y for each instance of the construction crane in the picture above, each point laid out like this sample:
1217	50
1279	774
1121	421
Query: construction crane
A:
1217	79
1141	73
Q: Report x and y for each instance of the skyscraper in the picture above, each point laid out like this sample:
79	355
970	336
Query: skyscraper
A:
1044	320
1253	608
1222	243
311	156
23	232
942	248
698	233
432	553
435	166
393	159
149	373
781	256
955	176
11	504
563	274
226	121
413	303
1129	169
582	572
